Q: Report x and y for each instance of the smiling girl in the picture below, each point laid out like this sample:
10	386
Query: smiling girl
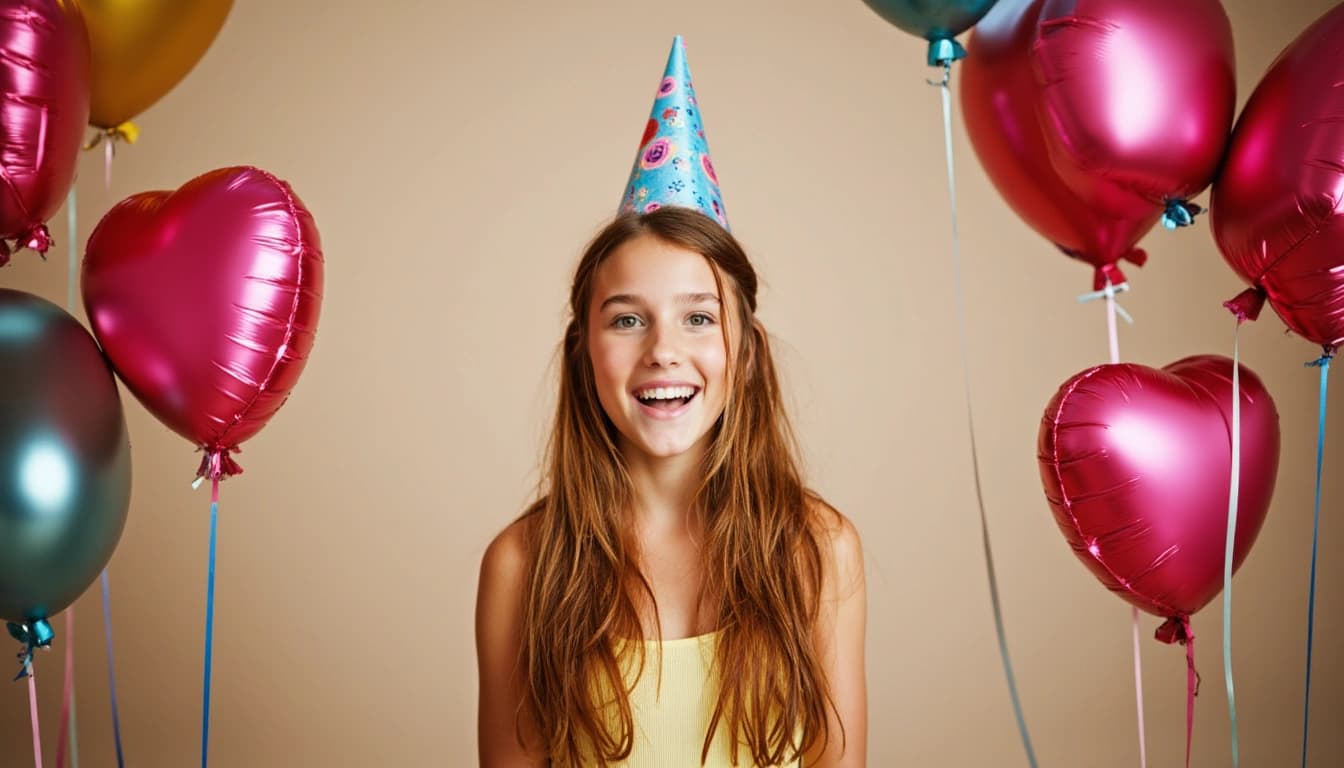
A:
677	596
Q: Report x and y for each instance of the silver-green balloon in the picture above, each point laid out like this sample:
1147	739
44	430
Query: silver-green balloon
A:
65	459
938	21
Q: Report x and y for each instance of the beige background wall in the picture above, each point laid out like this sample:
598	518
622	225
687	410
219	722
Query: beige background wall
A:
456	157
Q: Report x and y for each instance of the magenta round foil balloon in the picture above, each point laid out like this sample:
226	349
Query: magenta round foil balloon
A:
1136	465
207	299
1278	203
1001	103
1136	98
44	107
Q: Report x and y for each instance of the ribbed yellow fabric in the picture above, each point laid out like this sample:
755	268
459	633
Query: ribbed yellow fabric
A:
672	714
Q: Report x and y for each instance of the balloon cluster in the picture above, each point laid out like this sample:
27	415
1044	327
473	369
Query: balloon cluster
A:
1095	120
204	301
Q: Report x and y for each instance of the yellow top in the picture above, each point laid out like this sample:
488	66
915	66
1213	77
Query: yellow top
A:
671	715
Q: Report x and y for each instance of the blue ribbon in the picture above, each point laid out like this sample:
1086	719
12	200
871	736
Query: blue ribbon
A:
1323	362
111	673
209	628
35	635
970	422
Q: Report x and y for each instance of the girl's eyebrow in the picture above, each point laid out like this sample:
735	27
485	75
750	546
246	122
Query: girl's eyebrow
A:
681	298
697	298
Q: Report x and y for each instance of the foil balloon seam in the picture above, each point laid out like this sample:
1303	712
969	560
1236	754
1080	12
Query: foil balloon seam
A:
1316	228
264	385
1067	504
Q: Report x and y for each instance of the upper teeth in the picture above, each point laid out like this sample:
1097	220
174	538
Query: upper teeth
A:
665	393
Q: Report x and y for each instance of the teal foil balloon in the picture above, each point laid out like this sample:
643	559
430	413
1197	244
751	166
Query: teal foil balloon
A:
938	21
65	460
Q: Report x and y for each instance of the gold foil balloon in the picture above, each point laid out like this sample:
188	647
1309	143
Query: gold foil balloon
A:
142	49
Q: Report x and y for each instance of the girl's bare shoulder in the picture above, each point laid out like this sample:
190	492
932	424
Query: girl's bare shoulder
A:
840	543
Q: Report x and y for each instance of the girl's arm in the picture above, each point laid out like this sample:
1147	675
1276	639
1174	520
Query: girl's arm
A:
498	639
840	644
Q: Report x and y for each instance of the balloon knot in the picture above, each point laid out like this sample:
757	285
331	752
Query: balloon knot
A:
1179	213
1247	304
942	52
1327	354
36	239
1109	274
35	635
128	132
217	464
1175	630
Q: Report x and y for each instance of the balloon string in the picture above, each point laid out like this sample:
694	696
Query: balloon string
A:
107	163
1324	364
1112	330
970	423
67	692
1233	494
1191	687
1113	308
71	249
32	714
1138	688
209	616
111	668
69	729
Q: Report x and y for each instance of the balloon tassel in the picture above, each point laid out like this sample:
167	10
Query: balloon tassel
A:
1232	499
944	87
111	669
1323	362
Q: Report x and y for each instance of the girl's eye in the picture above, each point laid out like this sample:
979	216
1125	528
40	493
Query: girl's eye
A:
700	319
625	322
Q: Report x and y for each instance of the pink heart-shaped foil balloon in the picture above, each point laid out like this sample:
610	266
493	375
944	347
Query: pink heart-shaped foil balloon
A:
1136	464
206	300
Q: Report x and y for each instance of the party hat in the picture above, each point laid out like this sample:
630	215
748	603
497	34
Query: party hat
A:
673	165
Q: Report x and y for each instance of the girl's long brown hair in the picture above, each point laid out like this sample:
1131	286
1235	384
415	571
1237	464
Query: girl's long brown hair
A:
762	558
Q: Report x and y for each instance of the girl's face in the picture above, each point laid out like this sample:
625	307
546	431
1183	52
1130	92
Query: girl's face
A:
657	345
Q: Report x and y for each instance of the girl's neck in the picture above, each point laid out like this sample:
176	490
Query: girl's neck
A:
665	487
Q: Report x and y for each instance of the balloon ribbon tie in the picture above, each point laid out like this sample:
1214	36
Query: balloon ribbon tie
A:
128	132
1179	213
36	635
1109	292
217	464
